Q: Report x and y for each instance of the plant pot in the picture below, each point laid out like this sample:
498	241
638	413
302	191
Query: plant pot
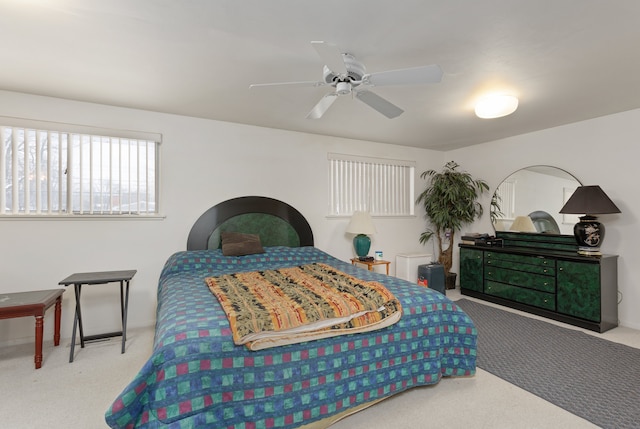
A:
450	281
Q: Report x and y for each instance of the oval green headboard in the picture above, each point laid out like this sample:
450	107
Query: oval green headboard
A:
277	223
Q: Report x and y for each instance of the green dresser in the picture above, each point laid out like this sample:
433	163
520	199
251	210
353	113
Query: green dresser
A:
544	275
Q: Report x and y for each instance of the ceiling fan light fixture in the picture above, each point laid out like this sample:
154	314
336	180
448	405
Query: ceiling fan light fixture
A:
343	88
496	106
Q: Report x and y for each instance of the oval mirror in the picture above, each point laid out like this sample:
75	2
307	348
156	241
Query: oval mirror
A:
530	199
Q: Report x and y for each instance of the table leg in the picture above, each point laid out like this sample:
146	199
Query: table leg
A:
77	319
58	316
124	309
78	289
73	334
39	329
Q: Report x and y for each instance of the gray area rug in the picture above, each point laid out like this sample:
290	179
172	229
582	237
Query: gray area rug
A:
595	379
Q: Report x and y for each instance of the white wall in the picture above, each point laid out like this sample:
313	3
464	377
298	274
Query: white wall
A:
202	163
602	151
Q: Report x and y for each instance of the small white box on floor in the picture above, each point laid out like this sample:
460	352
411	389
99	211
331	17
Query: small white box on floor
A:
407	265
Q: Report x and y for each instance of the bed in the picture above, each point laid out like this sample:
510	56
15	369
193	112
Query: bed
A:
197	377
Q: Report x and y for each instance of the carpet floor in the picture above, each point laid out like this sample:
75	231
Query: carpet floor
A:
590	377
63	395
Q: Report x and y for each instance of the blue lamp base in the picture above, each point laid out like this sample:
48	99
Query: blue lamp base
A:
362	244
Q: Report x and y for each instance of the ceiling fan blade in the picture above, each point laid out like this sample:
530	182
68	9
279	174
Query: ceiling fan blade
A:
322	106
331	56
410	76
380	104
309	84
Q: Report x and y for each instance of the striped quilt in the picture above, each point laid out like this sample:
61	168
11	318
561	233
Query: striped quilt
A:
197	377
272	308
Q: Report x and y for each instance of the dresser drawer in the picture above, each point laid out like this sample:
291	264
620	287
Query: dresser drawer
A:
530	264
522	295
542	282
518	266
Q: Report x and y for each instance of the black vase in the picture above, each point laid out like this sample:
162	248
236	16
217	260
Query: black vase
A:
589	235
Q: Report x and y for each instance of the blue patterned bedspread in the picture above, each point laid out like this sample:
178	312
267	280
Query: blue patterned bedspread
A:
198	378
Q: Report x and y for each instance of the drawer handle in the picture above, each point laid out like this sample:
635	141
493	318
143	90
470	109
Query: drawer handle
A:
544	271
561	268
488	262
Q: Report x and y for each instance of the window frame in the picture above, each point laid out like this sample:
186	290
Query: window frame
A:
76	137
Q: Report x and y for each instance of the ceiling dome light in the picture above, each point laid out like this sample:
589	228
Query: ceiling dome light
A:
496	106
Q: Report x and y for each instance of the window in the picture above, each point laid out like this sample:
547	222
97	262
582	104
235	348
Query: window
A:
59	169
382	187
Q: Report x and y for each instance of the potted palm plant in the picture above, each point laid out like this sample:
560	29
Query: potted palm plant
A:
450	200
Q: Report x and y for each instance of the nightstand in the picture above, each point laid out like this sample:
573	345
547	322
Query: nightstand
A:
371	264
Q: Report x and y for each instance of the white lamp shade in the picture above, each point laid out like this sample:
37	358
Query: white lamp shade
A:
523	224
361	223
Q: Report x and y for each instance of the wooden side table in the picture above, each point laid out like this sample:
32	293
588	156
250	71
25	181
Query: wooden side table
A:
34	303
96	278
371	264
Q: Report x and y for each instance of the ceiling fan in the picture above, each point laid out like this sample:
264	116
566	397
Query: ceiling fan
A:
348	76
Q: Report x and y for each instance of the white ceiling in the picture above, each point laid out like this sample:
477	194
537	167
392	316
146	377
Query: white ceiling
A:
567	60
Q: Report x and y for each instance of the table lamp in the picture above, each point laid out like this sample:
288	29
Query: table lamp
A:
523	224
589	201
361	224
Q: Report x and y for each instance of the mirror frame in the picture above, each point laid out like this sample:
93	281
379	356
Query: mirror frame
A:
567	219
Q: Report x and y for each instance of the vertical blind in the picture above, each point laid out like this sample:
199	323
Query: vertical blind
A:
507	198
382	187
47	170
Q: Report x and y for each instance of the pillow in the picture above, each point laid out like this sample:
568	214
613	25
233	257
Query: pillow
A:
238	244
